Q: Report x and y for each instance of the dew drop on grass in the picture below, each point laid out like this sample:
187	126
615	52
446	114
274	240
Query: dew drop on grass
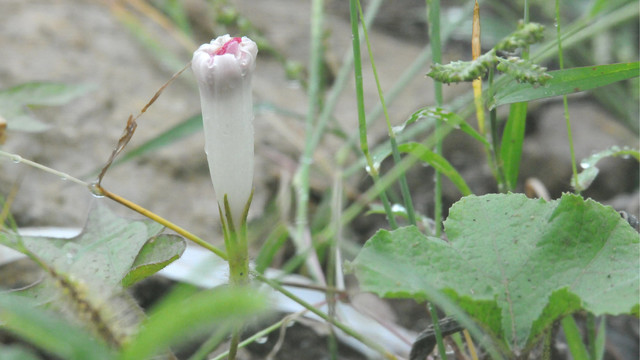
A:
95	190
585	164
262	340
16	158
397	208
376	167
397	129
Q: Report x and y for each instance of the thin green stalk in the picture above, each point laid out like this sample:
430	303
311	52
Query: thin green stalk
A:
63	176
362	124
324	316
574	167
433	15
493	123
591	335
208	346
260	334
301	179
340	82
235	241
387	180
546	345
334	273
600	340
412	71
585	28
404	187
574	338
436	327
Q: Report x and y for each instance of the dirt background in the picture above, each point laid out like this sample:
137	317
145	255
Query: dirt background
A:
77	41
83	42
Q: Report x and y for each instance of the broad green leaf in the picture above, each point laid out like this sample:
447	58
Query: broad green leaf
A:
182	316
438	162
157	253
512	139
106	249
49	331
517	253
565	82
100	257
589	169
14	102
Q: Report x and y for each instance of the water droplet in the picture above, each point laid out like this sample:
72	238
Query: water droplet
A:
376	167
63	178
291	323
397	129
96	191
397	208
16	158
262	340
585	164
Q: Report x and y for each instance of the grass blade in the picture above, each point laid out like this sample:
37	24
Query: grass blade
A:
49	332
601	338
574	338
186	313
512	139
567	82
438	162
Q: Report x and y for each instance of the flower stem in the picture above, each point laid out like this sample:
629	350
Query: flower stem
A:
236	243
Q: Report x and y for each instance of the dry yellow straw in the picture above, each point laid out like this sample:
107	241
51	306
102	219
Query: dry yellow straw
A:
477	83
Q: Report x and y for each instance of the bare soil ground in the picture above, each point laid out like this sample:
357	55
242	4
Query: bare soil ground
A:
76	41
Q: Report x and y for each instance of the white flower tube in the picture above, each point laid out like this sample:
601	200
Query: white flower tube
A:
224	69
